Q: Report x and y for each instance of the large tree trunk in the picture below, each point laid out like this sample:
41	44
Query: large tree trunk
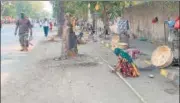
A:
105	19
60	18
93	23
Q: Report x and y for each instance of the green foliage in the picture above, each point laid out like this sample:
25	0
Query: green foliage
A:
9	10
55	7
32	9
79	9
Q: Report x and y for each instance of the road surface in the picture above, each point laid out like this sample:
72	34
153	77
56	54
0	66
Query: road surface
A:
10	45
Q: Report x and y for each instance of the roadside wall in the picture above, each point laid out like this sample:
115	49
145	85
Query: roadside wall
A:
140	18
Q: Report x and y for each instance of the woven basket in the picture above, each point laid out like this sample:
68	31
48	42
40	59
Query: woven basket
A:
115	40
122	45
162	57
169	62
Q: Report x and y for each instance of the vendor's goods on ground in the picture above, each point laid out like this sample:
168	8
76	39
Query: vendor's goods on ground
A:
133	52
122	45
143	39
114	41
102	42
107	45
162	57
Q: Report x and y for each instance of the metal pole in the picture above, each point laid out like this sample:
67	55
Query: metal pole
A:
96	24
165	36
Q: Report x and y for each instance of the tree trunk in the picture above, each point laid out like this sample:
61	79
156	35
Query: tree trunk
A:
2	8
93	23
105	19
60	18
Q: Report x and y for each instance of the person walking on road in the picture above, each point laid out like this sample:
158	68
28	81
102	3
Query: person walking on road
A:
51	25
46	27
24	26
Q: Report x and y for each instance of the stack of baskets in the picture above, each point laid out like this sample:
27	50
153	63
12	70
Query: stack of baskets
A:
115	40
115	43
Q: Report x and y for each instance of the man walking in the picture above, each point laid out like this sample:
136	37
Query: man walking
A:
24	26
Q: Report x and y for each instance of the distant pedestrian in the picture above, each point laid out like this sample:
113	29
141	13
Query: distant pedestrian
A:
51	25
24	26
55	23
170	22
40	24
46	27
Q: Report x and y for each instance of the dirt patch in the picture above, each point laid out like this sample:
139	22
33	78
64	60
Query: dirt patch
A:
82	60
172	91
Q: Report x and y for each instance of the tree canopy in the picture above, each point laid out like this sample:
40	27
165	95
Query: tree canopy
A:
32	9
80	8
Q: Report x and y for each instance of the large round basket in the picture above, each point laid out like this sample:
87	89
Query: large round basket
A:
162	57
115	39
113	47
114	42
123	45
169	61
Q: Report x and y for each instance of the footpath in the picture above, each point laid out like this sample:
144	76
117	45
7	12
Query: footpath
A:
160	89
41	79
87	79
171	73
144	60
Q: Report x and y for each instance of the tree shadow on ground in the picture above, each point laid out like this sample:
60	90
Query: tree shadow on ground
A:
147	68
82	60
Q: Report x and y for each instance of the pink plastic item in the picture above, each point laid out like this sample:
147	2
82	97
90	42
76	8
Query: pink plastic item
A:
133	52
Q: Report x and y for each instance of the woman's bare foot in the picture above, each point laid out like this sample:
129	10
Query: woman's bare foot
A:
26	49
22	49
113	71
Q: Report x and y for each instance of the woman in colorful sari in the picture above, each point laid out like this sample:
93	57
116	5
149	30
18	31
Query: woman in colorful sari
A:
125	64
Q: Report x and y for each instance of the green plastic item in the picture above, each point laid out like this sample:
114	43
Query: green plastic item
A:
142	39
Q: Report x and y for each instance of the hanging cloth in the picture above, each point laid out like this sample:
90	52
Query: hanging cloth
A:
177	26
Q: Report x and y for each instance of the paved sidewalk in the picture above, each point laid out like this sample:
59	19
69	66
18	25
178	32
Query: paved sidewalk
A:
40	79
147	47
154	90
